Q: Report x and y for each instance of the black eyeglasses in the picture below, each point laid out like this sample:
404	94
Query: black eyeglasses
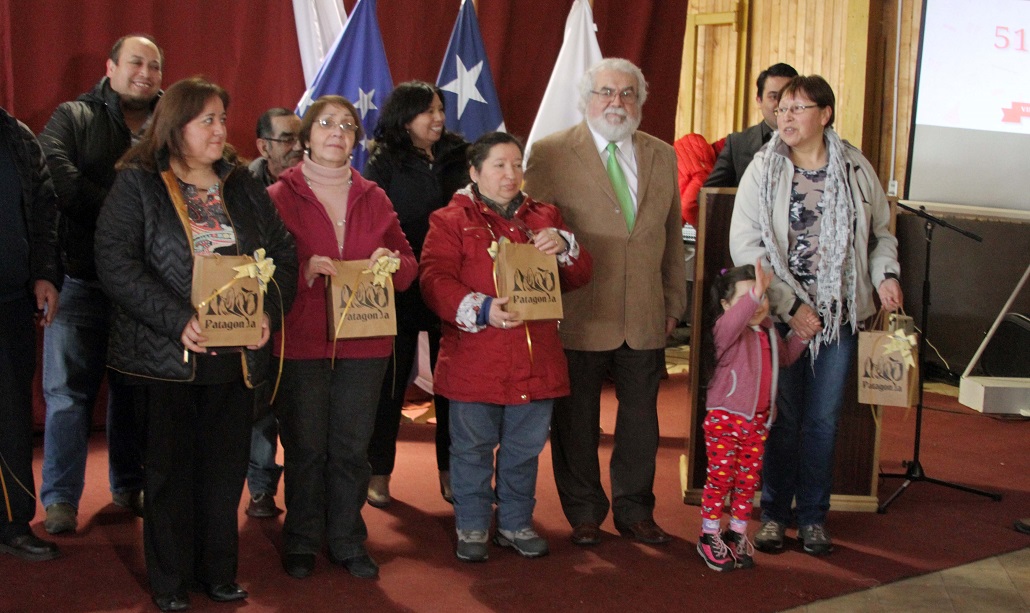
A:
286	140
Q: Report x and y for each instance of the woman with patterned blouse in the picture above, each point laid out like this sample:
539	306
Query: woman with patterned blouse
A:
811	207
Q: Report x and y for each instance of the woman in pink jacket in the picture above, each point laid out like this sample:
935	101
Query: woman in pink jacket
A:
501	374
327	408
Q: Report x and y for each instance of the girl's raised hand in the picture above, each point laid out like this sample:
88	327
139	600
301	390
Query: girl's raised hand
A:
762	278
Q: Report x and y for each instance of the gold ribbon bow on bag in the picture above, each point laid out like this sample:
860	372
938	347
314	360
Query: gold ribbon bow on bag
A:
900	343
384	267
261	268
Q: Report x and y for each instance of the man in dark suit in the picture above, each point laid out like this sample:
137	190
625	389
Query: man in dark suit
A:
741	146
617	189
29	280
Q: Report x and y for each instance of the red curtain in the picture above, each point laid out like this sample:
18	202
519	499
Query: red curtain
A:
53	50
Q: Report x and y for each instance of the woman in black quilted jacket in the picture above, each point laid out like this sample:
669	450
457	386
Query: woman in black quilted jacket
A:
178	194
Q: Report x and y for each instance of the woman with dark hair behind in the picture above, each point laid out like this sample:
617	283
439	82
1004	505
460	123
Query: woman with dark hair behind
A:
420	165
180	193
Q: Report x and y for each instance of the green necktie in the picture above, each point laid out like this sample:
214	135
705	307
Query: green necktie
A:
618	179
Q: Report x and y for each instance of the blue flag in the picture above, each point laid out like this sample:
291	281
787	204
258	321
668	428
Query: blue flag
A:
356	69
465	78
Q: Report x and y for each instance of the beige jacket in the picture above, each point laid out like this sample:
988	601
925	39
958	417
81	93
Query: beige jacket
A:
640	277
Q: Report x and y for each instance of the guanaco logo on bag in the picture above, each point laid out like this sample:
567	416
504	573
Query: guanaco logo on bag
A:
533	281
367	296
241	304
883	373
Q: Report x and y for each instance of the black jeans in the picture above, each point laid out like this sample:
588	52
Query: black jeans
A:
198	443
326	415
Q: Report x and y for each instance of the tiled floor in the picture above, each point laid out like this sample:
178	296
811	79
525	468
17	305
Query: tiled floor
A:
998	584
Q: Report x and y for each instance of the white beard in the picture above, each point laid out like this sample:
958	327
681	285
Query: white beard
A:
614	132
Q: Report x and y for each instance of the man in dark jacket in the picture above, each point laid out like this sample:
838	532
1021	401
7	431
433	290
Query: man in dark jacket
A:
29	280
278	142
741	146
82	141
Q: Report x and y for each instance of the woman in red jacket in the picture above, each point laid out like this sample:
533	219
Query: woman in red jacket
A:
326	409
502	374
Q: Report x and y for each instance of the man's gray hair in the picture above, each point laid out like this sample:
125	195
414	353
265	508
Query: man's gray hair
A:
618	64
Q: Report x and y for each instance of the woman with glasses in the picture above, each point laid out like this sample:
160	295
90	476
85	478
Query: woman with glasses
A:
502	374
811	207
420	165
327	402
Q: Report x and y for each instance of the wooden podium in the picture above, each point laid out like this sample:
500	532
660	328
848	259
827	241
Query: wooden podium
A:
856	462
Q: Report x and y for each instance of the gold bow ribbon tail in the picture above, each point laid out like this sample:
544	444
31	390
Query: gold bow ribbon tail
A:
263	269
3	486
899	342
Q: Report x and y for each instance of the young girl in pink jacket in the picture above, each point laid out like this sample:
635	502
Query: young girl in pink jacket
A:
748	352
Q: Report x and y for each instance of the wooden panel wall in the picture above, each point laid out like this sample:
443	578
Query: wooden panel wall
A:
814	36
880	103
715	86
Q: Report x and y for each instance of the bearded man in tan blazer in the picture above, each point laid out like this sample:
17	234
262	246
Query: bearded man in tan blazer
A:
628	217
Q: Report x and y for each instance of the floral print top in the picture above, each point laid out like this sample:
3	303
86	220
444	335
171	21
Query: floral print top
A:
806	211
212	229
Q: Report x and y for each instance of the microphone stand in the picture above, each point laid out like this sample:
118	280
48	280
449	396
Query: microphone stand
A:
914	470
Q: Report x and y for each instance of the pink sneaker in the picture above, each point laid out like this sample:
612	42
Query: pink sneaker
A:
715	553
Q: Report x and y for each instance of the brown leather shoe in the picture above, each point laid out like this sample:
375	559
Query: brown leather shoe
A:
587	533
644	531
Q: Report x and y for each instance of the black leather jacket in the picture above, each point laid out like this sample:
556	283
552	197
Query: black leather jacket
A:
144	261
38	199
82	141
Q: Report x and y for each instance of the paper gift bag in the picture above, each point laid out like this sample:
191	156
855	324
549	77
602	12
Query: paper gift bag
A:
355	306
529	278
888	368
230	310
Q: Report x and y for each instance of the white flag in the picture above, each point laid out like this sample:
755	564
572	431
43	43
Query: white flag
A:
579	51
318	24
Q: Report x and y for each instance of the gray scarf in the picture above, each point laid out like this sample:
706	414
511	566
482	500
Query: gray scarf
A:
835	276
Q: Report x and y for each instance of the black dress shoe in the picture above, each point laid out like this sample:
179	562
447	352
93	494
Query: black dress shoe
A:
299	565
361	566
644	531
226	592
587	533
30	547
172	602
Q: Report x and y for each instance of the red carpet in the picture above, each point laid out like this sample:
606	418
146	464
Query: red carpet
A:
928	528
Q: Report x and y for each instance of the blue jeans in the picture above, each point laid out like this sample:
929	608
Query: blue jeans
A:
799	452
263	473
74	363
476	430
